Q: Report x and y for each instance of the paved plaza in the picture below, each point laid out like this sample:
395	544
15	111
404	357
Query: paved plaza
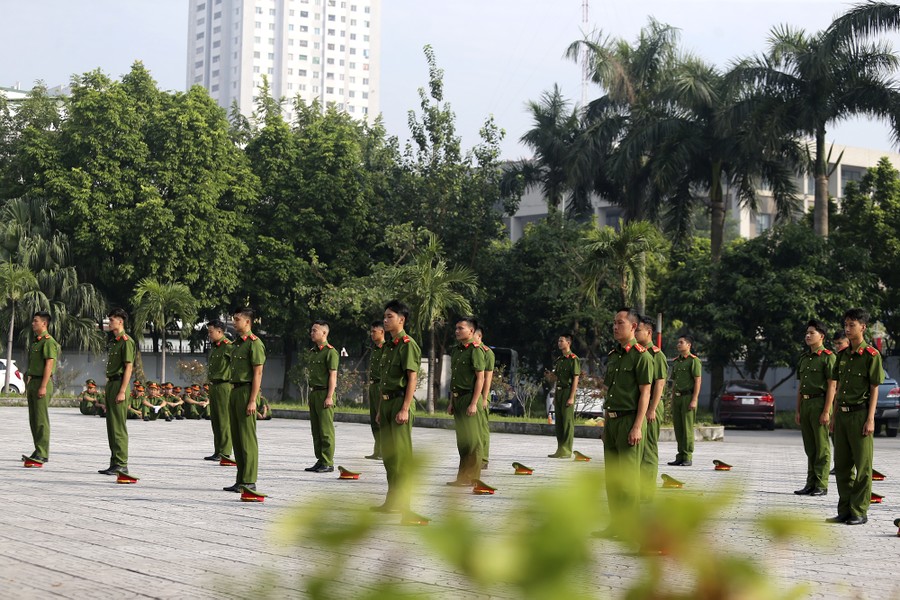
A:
66	531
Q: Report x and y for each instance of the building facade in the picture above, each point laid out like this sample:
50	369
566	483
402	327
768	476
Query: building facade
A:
325	50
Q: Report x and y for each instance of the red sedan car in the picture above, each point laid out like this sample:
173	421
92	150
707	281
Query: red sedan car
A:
745	401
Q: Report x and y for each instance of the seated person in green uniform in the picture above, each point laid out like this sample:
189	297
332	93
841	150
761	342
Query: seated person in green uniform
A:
194	406
203	396
89	401
155	406
136	402
263	412
173	401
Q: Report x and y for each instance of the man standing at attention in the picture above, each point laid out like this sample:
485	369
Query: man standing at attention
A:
567	371
686	373
650	454
118	374
39	387
484	405
466	381
323	367
247	360
859	373
219	373
376	334
815	394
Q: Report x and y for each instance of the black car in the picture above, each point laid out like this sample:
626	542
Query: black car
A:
745	401
887	412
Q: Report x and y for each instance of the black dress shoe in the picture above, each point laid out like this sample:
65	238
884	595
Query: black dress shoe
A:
819	492
837	519
323	469
313	468
249	486
805	491
215	456
686	463
232	488
854	520
110	471
675	463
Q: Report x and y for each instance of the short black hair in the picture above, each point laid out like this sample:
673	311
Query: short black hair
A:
839	335
244	311
818	326
216	324
633	315
118	313
688	338
470	320
649	322
322	323
377	323
43	314
398	308
569	336
480	330
860	315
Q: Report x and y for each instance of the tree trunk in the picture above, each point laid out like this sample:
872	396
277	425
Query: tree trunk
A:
289	348
429	397
9	346
162	364
438	367
820	208
716	214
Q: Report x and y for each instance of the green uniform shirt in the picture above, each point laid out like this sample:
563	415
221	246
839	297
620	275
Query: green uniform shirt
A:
565	369
399	356
43	349
120	353
219	362
815	369
88	397
660	363
322	360
375	362
684	370
856	371
466	360
489	362
249	351
628	368
137	402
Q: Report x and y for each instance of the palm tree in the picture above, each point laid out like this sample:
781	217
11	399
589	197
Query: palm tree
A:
434	290
161	306
813	80
15	282
619	259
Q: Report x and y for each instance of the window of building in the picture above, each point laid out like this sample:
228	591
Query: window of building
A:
201	7
352	36
217	43
316	60
290	86
271	26
329	90
198	64
763	223
351	108
351	94
290	27
290	42
367	9
365	95
256	55
303	57
199	50
198	78
259	10
217	29
315	89
352	8
218	15
215	59
256	69
304	43
215	73
365	81
331	32
291	13
257	39
330	46
301	72
304	29
352	79
317	31
330	61
302	87
352	51
316	74
331	17
271	71
329	75
258	25
271	41
271	12
200	36
352	65
317	45
271	56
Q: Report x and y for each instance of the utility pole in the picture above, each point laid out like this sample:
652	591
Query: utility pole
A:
585	68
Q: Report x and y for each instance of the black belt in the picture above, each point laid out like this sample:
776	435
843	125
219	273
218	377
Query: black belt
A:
319	388
218	381
239	383
393	395
114	378
852	407
811	396
458	393
619	413
684	392
374	381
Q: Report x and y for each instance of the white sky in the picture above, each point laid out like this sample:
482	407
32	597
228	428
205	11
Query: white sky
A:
497	54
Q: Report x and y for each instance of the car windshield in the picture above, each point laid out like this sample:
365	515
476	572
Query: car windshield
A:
739	387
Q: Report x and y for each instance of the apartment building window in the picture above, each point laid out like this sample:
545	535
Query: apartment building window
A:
304	13
271	71
198	64
352	22
290	71
271	56
218	15
352	51
256	55
201	7
330	46
301	72
215	73
331	17
272	12
257	39
763	223
200	36
316	60
291	13
271	26
352	8
353	65
199	50
291	27
290	42
198	78
329	75
352	36
258	25
365	81
330	61
304	29
329	90
331	32
351	94
217	29
290	56
302	87
368	9
317	46
365	95
215	59
303	57
259	10
304	43
256	69
351	108
217	43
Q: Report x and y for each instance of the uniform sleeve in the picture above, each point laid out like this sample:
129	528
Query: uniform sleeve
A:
128	351
662	368
257	353
876	372
576	366
332	360
831	367
51	350
410	357
478	361
489	361
643	370
696	368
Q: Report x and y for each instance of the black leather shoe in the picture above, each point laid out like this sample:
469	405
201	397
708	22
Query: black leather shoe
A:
215	456
805	491
168	419
854	520
837	519
313	468
146	418
819	492
675	463
232	488
110	471
324	469
686	463
249	486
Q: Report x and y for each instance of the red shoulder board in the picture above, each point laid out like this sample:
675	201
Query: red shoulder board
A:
476	344
654	349
640	348
693	356
871	350
572	355
253	337
330	346
405	339
827	351
628	347
124	337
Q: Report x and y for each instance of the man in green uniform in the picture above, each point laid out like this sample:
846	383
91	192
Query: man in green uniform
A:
686	373
39	385
650	454
89	401
629	378
175	399
839	341
466	381
567	371
154	405
194	406
323	366
219	370
263	411
400	365
118	374
136	402
485	405
859	373
815	394
247	360
376	334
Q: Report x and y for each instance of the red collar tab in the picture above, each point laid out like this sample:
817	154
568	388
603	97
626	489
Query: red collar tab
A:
871	350
570	355
122	337
46	336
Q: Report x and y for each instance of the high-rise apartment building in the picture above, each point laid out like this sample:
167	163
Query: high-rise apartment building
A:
320	49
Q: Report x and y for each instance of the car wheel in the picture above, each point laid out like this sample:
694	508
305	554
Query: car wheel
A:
771	425
890	431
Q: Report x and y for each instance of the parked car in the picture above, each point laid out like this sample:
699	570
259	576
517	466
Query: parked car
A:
16	383
887	412
508	406
588	403
745	401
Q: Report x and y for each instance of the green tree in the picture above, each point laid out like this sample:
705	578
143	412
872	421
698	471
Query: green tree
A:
161	307
16	282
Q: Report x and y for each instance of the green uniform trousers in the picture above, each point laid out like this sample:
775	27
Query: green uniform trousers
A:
852	449
87	408
374	402
565	422
485	424
38	417
683	420
815	442
650	456
396	451
192	411
468	438
321	422
623	464
153	415
116	431
221	424
243	434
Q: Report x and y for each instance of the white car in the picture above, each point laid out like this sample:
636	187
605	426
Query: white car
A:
588	402
16	382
